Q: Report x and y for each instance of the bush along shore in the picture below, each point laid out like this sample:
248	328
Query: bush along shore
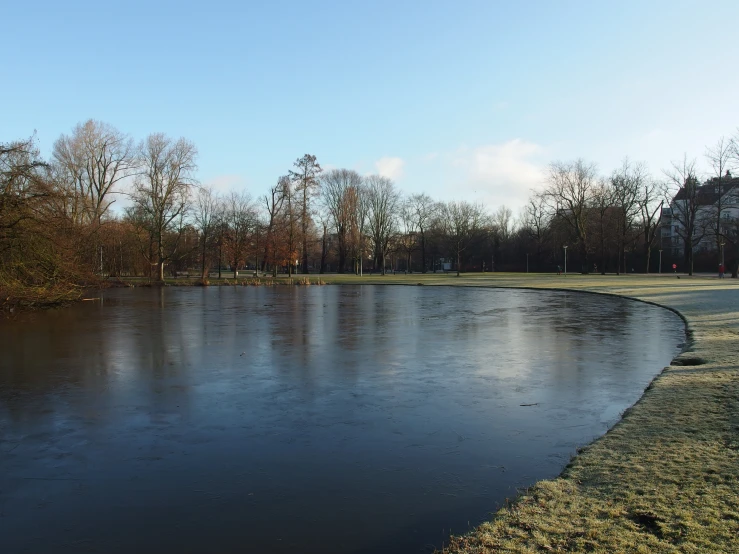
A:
263	281
16	295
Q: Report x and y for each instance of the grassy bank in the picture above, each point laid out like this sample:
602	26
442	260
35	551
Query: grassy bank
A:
666	477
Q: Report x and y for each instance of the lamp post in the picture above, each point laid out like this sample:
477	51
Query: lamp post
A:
660	260
565	247
721	244
527	263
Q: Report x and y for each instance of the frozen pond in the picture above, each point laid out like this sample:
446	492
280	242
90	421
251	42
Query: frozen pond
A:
339	419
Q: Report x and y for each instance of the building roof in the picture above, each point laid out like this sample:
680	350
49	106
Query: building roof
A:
708	193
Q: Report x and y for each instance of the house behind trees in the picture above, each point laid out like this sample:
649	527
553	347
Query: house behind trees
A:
716	216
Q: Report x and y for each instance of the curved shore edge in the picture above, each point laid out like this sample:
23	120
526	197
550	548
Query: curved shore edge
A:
665	478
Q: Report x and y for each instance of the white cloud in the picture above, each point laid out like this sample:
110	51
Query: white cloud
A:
497	174
512	162
392	168
225	183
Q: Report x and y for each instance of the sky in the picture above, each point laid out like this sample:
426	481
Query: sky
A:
463	100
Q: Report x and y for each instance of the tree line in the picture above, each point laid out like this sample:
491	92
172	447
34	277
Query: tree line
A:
58	230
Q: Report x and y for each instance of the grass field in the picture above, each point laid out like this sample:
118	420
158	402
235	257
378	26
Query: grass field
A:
666	477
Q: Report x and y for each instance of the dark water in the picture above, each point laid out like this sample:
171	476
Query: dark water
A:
321	419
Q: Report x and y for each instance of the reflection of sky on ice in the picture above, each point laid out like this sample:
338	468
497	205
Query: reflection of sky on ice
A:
389	406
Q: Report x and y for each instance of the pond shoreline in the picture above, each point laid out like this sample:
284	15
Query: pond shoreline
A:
666	476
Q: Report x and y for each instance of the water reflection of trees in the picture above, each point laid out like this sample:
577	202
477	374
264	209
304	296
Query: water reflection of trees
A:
80	362
152	349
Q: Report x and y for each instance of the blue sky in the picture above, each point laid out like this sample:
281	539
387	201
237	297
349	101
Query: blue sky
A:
465	100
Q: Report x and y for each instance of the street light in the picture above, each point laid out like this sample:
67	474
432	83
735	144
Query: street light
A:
660	260
565	247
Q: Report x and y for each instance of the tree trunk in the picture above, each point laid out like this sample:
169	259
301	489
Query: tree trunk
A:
423	253
203	274
220	259
648	255
151	256
584	257
160	253
324	251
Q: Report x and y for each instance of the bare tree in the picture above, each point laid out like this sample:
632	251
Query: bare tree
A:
423	207
239	216
650	208
567	196
21	177
502	219
206	216
323	218
462	223
407	241
682	192
38	247
273	204
535	223
500	229
602	212
307	185
290	219
383	199
161	194
358	201
92	161
337	186
719	157
626	185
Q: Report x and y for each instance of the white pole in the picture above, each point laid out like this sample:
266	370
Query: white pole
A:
565	261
